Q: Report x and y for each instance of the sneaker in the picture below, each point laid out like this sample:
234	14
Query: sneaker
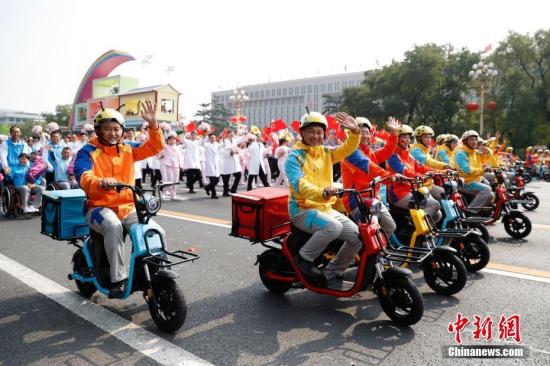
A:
335	279
118	289
28	210
215	197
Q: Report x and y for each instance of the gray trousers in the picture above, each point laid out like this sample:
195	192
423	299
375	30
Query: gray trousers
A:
384	219
68	184
432	206
483	195
325	228
25	192
106	222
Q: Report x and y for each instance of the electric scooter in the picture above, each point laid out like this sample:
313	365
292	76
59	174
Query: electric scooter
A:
150	269
398	295
443	270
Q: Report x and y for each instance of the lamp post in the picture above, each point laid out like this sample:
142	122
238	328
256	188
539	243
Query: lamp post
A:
239	97
481	75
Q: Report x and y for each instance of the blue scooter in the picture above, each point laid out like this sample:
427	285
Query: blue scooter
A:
469	243
150	267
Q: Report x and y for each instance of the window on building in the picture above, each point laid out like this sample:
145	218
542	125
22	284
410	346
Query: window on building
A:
309	89
279	92
303	89
285	91
323	88
316	88
296	90
337	86
290	91
330	87
167	106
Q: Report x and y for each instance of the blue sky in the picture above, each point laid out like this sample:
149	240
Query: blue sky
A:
47	46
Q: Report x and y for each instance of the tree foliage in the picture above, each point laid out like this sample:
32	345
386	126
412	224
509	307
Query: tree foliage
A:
430	87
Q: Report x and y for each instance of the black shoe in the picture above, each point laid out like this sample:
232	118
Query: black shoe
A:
308	269
191	191
226	194
215	197
207	190
118	289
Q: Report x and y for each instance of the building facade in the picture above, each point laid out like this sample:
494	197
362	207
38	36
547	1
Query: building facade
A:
10	117
115	91
288	99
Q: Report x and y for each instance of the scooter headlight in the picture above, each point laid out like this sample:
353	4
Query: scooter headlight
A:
152	204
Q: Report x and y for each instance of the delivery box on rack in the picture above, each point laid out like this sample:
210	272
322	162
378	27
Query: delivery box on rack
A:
260	214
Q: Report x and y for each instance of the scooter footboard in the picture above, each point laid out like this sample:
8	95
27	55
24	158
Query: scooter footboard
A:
474	220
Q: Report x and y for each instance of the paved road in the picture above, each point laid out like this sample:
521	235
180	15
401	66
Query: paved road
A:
233	320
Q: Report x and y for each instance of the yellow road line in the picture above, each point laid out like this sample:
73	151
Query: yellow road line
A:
195	217
541	226
517	269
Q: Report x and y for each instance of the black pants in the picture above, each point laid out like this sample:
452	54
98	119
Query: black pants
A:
225	180
263	177
212	185
193	175
156	177
138	183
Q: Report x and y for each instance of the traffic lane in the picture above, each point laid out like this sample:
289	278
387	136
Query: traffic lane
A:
35	329
223	291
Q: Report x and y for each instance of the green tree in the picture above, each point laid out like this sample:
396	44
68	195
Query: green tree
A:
332	102
217	115
61	115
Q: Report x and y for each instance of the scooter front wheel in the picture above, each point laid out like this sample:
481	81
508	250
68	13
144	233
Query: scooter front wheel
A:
86	289
473	251
402	301
533	201
517	225
445	273
168	309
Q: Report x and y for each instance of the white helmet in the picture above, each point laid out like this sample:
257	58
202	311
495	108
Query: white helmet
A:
363	122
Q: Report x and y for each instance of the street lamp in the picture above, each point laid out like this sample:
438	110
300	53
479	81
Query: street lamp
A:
239	97
481	75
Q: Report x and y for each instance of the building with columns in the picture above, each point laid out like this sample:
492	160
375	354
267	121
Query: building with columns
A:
288	99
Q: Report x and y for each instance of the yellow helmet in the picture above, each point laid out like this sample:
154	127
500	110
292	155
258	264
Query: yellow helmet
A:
108	115
509	149
529	148
314	118
405	130
469	133
363	122
421	130
255	130
441	139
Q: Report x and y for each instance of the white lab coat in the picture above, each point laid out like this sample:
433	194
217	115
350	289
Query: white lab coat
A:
256	156
211	164
191	154
229	157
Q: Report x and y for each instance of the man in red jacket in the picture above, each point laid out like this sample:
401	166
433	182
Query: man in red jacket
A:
361	167
402	162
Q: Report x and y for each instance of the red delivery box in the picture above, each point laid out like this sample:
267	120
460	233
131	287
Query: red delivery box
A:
260	214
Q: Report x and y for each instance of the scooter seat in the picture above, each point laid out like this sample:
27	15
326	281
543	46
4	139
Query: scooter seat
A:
298	238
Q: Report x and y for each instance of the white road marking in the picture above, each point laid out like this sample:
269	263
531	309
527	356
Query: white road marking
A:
516	275
194	220
156	348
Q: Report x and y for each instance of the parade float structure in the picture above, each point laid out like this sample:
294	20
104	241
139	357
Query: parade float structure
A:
97	88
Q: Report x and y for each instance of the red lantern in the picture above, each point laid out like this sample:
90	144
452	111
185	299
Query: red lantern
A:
242	119
492	105
234	119
472	106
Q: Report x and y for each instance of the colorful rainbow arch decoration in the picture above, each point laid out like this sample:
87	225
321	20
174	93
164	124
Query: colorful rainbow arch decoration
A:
102	67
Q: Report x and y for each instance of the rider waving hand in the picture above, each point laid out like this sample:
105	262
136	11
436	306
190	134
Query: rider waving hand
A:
104	161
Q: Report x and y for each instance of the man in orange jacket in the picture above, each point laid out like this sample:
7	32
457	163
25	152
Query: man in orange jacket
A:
104	161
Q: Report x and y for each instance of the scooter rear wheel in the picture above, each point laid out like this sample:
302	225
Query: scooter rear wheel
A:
79	262
517	225
273	260
480	228
533	201
473	251
169	309
445	273
402	301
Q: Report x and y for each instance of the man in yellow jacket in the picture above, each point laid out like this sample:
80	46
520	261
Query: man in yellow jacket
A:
104	161
309	171
469	164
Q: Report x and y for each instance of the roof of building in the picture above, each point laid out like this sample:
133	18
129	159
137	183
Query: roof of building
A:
147	89
19	114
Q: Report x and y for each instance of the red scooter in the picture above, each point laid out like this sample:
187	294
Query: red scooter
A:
516	224
397	293
528	200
